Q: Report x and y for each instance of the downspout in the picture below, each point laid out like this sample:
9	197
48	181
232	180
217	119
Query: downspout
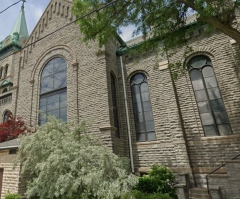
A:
127	117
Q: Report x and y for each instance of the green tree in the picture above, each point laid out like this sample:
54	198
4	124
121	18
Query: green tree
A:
155	18
68	163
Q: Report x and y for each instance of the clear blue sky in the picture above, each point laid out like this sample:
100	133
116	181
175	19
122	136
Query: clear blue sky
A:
33	11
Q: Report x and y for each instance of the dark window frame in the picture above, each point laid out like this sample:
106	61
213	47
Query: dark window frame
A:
48	91
6	70
211	108
114	105
5	90
1	72
142	108
6	115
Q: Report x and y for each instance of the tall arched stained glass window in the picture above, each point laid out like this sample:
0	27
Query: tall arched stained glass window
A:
142	107
208	97
53	90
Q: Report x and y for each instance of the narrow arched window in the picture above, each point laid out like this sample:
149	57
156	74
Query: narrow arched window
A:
208	97
142	108
53	90
114	105
6	116
5	90
6	71
1	72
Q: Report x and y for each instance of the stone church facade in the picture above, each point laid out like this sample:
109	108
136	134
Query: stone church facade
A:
191	124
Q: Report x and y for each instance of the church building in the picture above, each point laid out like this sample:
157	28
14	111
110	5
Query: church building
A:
190	124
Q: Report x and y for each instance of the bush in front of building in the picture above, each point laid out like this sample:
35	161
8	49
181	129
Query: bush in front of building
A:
158	180
140	195
12	196
68	162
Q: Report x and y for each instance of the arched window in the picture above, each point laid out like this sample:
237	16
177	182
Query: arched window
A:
5	90
208	97
6	71
142	108
1	72
6	116
53	90
114	105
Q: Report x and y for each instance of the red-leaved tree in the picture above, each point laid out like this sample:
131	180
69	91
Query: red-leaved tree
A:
11	128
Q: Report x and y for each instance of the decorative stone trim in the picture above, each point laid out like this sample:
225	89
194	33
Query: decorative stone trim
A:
232	41
75	66
206	170
221	138
152	144
163	65
107	128
180	170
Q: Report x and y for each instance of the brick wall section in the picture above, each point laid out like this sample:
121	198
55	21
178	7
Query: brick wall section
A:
10	176
120	145
87	88
11	61
227	185
181	144
209	152
172	148
169	149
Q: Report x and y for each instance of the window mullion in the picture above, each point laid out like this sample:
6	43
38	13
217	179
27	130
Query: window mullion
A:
144	121
209	102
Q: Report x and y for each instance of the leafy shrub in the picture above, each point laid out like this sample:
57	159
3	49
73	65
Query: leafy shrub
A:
159	180
69	163
11	128
140	195
12	196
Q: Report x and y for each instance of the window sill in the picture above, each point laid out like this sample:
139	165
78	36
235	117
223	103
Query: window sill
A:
147	143
226	137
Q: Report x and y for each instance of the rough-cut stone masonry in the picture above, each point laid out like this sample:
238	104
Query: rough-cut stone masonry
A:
180	141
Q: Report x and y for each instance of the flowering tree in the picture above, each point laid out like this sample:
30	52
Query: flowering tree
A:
68	163
11	128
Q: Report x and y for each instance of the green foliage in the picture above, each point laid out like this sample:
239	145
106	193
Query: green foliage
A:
163	24
154	19
159	180
67	163
12	196
140	195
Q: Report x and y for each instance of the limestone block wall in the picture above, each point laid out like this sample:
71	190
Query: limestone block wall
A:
119	142
181	143
87	90
169	148
226	185
9	98
10	179
207	153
